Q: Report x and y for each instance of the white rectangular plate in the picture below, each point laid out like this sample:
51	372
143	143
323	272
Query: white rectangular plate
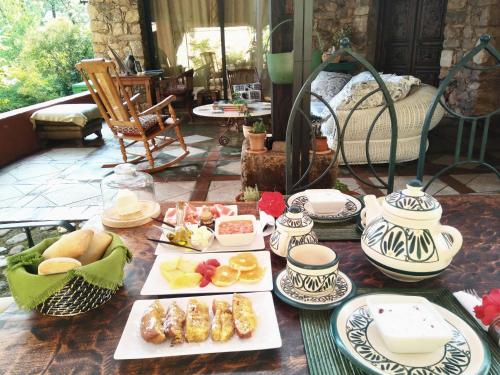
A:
156	285
256	244
265	336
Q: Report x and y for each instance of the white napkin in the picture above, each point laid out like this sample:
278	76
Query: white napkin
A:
469	301
266	219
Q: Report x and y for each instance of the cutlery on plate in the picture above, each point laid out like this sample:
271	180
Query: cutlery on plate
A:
163	222
173	244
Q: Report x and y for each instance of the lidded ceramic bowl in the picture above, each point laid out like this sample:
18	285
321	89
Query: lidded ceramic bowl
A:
403	236
293	228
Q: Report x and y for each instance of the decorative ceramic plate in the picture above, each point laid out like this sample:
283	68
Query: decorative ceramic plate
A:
344	290
352	208
156	285
256	244
265	336
356	336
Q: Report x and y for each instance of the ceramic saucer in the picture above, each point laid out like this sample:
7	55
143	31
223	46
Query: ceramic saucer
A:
283	289
356	336
352	208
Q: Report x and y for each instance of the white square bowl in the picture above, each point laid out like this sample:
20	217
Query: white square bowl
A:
408	324
237	239
326	201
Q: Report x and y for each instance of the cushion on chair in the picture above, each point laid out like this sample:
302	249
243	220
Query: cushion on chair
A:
329	84
148	122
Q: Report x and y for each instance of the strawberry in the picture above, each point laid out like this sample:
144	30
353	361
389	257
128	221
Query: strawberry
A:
209	272
204	282
201	268
213	262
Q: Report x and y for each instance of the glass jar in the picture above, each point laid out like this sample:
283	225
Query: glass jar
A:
126	187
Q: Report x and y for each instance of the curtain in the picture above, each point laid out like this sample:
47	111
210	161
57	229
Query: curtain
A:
174	18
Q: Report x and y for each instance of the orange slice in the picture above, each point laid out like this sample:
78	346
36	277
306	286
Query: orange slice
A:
243	262
225	276
252	276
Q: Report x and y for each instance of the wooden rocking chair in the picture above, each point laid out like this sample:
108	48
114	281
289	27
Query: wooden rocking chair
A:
124	120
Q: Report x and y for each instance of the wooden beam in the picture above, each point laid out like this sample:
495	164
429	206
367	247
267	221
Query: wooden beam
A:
220	14
281	95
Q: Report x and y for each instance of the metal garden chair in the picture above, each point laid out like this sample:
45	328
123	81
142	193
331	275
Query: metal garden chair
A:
474	120
301	105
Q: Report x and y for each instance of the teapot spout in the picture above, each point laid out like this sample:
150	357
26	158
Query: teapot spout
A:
372	208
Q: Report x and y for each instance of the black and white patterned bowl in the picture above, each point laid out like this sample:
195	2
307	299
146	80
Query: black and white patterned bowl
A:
312	269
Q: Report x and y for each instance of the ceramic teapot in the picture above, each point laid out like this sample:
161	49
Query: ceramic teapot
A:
403	237
293	228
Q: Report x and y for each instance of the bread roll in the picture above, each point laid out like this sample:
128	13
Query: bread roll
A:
57	265
71	245
98	245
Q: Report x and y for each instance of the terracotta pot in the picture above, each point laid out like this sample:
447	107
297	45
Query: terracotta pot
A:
321	144
246	130
257	141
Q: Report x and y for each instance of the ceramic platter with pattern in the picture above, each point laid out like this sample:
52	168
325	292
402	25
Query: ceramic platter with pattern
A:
283	289
356	336
352	208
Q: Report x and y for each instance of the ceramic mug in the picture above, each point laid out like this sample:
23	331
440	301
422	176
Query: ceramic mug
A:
312	269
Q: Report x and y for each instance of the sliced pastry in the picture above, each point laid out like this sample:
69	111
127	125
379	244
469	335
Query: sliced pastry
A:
174	324
197	321
152	323
222	322
244	317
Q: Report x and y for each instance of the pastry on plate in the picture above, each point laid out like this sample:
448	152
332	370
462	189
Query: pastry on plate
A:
222	322
197	321
152	323
244	317
174	324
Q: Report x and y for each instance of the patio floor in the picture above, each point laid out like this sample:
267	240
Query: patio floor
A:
63	182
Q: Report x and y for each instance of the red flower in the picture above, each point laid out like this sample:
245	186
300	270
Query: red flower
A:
490	308
272	203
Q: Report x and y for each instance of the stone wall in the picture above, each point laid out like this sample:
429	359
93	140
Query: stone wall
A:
466	21
117	23
360	15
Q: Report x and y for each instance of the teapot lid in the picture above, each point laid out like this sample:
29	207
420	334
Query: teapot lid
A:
413	203
294	218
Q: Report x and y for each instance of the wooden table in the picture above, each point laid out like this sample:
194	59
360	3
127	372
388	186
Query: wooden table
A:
150	82
34	344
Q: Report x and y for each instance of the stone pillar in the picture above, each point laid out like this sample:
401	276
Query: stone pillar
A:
117	23
466	21
330	15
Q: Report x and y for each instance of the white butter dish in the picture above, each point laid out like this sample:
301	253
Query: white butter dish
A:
326	201
408	324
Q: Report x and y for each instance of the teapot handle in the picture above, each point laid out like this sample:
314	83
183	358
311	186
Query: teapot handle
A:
283	244
457	240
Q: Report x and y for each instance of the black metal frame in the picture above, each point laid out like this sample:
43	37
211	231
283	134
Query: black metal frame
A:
438	99
292	146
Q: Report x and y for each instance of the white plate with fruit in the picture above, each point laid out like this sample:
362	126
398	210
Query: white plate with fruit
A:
228	272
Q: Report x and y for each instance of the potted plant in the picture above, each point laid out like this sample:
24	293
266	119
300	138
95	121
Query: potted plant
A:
257	137
247	124
319	139
249	194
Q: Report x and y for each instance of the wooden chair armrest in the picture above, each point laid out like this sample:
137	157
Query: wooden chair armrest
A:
158	107
132	99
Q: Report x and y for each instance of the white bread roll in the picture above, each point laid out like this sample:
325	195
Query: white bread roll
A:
98	245
71	245
57	265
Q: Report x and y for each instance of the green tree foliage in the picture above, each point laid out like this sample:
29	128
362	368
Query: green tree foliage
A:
38	53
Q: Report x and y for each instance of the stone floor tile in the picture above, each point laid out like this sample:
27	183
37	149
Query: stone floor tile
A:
485	183
177	151
39	201
190	139
68	153
229	168
8	192
27	172
178	190
72	193
7	178
223	191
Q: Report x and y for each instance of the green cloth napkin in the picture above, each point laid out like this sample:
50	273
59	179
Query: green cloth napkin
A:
30	289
